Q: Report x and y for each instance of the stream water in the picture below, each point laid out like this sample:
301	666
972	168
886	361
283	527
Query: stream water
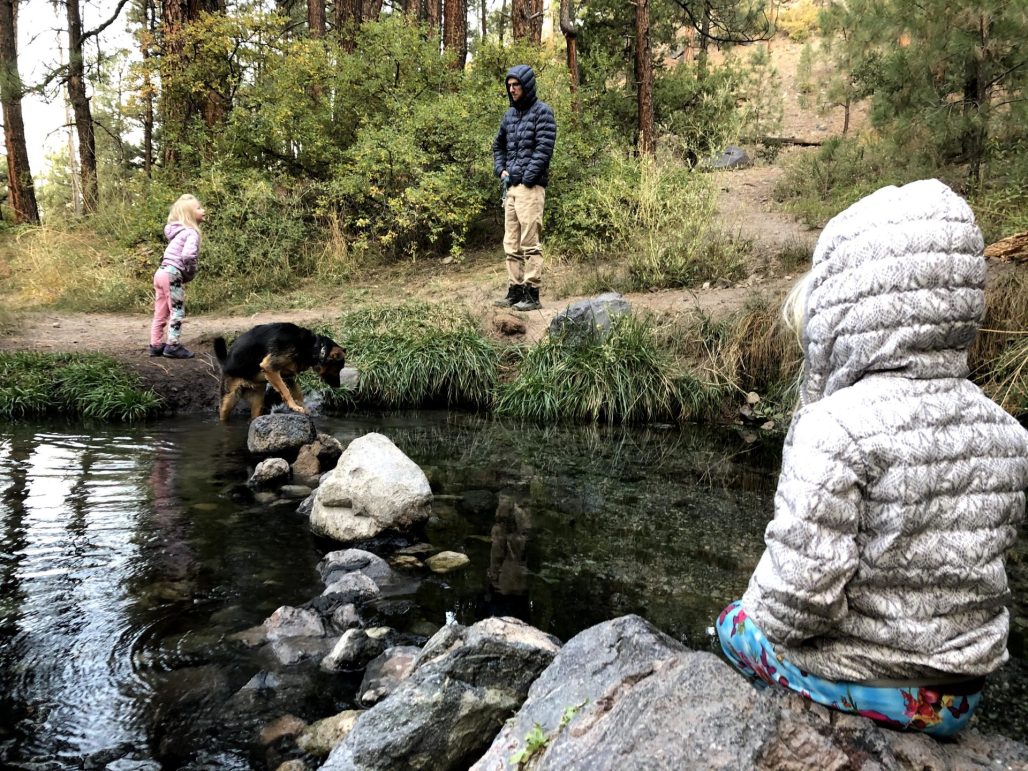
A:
127	563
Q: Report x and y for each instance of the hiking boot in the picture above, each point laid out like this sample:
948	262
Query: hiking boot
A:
515	294
530	301
176	351
157	350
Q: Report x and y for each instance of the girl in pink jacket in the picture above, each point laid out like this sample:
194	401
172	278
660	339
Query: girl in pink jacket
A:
177	269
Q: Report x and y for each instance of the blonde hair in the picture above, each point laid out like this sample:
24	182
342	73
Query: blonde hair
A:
794	308
184	211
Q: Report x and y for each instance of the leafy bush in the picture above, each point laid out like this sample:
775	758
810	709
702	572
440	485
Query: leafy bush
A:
655	213
86	385
798	22
817	186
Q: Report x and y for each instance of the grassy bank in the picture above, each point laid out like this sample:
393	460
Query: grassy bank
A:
651	368
80	385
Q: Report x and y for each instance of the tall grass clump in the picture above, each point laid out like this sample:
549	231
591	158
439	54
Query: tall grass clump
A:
83	385
47	265
999	357
654	215
625	378
817	186
419	354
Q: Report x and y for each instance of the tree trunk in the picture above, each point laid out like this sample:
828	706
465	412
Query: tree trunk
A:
81	110
20	190
567	26
976	107
348	15
316	19
644	75
503	20
701	58
520	19
535	34
175	109
433	13
455	30
372	10
483	7
149	13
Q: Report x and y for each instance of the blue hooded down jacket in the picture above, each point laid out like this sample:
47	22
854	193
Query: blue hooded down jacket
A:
527	134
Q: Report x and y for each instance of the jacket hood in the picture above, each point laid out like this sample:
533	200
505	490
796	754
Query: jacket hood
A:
172	229
897	286
526	77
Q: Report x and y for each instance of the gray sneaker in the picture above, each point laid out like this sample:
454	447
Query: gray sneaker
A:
177	351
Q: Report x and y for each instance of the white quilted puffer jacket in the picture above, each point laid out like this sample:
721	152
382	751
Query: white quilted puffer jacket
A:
902	485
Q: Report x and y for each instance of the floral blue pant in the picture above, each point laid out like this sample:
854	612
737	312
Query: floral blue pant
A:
940	711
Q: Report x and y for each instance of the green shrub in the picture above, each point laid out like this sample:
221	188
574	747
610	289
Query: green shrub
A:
798	22
817	186
86	385
654	215
420	354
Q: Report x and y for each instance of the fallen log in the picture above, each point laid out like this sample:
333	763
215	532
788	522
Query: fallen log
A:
796	141
1013	248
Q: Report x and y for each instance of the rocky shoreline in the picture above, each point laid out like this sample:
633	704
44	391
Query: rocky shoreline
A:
500	694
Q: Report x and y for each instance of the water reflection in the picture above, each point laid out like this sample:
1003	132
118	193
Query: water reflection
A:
127	563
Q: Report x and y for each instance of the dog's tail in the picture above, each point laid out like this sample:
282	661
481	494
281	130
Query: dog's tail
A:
220	350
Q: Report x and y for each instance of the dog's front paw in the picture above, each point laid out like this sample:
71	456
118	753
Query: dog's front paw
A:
298	408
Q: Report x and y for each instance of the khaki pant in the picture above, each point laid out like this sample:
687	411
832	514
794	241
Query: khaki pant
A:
522	229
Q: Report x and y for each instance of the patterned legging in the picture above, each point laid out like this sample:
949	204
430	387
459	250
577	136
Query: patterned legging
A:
169	302
940	710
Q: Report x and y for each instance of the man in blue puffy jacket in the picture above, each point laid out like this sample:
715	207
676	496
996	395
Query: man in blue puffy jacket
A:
521	155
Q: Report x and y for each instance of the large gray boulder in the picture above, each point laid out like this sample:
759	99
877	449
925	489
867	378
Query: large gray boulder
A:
466	681
373	488
623	695
589	320
280	434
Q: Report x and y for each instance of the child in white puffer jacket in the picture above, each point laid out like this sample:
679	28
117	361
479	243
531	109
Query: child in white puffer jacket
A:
882	588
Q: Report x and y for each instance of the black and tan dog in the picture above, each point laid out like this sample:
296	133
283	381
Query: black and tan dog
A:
274	354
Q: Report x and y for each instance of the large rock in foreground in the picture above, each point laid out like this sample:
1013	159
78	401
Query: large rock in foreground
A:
466	681
589	320
373	488
622	695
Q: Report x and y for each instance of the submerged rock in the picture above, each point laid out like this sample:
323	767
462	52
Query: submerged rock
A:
286	725
271	472
447	561
374	488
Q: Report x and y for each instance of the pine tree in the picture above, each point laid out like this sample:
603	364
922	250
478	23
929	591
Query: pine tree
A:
947	75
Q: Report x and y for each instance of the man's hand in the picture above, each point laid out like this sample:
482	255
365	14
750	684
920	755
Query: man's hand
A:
504	174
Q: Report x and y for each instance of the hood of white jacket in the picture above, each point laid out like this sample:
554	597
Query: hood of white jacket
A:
897	285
